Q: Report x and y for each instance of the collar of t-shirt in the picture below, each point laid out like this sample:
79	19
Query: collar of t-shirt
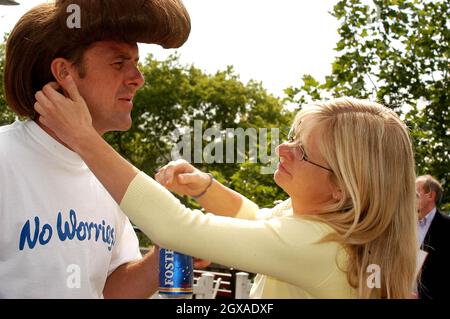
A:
424	225
54	147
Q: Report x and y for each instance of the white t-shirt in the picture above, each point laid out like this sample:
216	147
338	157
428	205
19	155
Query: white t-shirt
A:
61	233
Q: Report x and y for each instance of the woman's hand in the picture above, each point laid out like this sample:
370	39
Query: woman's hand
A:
68	117
182	178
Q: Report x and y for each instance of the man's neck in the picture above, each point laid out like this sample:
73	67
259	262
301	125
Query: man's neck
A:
426	212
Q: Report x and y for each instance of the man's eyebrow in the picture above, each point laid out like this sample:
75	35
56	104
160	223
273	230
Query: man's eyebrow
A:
125	57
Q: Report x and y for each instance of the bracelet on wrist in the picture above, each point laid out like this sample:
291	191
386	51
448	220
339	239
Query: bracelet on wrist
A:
211	179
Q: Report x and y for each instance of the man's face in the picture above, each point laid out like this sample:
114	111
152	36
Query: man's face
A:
110	81
425	200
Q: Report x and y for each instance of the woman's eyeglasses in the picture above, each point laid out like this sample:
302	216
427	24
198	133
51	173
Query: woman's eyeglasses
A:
299	151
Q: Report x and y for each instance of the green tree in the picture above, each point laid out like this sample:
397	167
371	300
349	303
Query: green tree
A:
174	95
397	52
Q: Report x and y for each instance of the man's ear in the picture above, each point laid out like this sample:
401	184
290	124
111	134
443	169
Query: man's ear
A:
60	68
432	195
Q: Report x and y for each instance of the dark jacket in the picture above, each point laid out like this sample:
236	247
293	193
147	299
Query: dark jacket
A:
435	277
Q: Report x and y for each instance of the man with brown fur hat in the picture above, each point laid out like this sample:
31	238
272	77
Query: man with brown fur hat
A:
61	234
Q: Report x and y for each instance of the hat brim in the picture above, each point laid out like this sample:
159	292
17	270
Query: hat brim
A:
163	22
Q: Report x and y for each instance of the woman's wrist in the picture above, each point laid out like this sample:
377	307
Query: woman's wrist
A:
85	142
211	180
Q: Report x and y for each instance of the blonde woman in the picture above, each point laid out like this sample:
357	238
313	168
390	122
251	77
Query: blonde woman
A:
348	169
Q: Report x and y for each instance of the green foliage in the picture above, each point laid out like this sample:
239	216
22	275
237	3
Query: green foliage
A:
396	52
175	95
144	241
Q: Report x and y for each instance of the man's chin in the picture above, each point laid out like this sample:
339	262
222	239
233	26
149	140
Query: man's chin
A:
119	127
125	127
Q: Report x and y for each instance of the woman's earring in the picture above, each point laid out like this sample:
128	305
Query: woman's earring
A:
337	195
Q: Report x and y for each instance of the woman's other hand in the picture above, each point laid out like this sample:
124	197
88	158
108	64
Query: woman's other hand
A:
182	178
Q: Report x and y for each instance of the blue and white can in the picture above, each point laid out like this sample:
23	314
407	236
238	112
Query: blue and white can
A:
176	275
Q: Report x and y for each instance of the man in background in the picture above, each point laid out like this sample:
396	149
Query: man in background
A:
434	238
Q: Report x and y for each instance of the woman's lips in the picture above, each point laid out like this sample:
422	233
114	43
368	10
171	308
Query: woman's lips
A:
282	168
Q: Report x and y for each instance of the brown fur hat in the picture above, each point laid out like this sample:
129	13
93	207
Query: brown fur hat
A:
43	34
163	22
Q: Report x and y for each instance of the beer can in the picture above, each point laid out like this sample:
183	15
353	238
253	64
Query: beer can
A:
176	275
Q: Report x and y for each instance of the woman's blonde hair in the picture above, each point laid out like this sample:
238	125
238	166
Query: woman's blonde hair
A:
369	150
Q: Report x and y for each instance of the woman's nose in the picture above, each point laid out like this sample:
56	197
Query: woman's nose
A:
284	150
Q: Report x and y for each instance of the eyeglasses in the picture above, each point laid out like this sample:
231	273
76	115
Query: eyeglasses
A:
299	151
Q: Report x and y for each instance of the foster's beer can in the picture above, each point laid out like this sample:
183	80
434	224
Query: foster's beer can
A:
175	275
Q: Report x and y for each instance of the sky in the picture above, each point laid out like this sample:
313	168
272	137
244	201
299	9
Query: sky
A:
272	41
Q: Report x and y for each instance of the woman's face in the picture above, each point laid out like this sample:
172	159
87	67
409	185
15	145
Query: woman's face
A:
308	184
